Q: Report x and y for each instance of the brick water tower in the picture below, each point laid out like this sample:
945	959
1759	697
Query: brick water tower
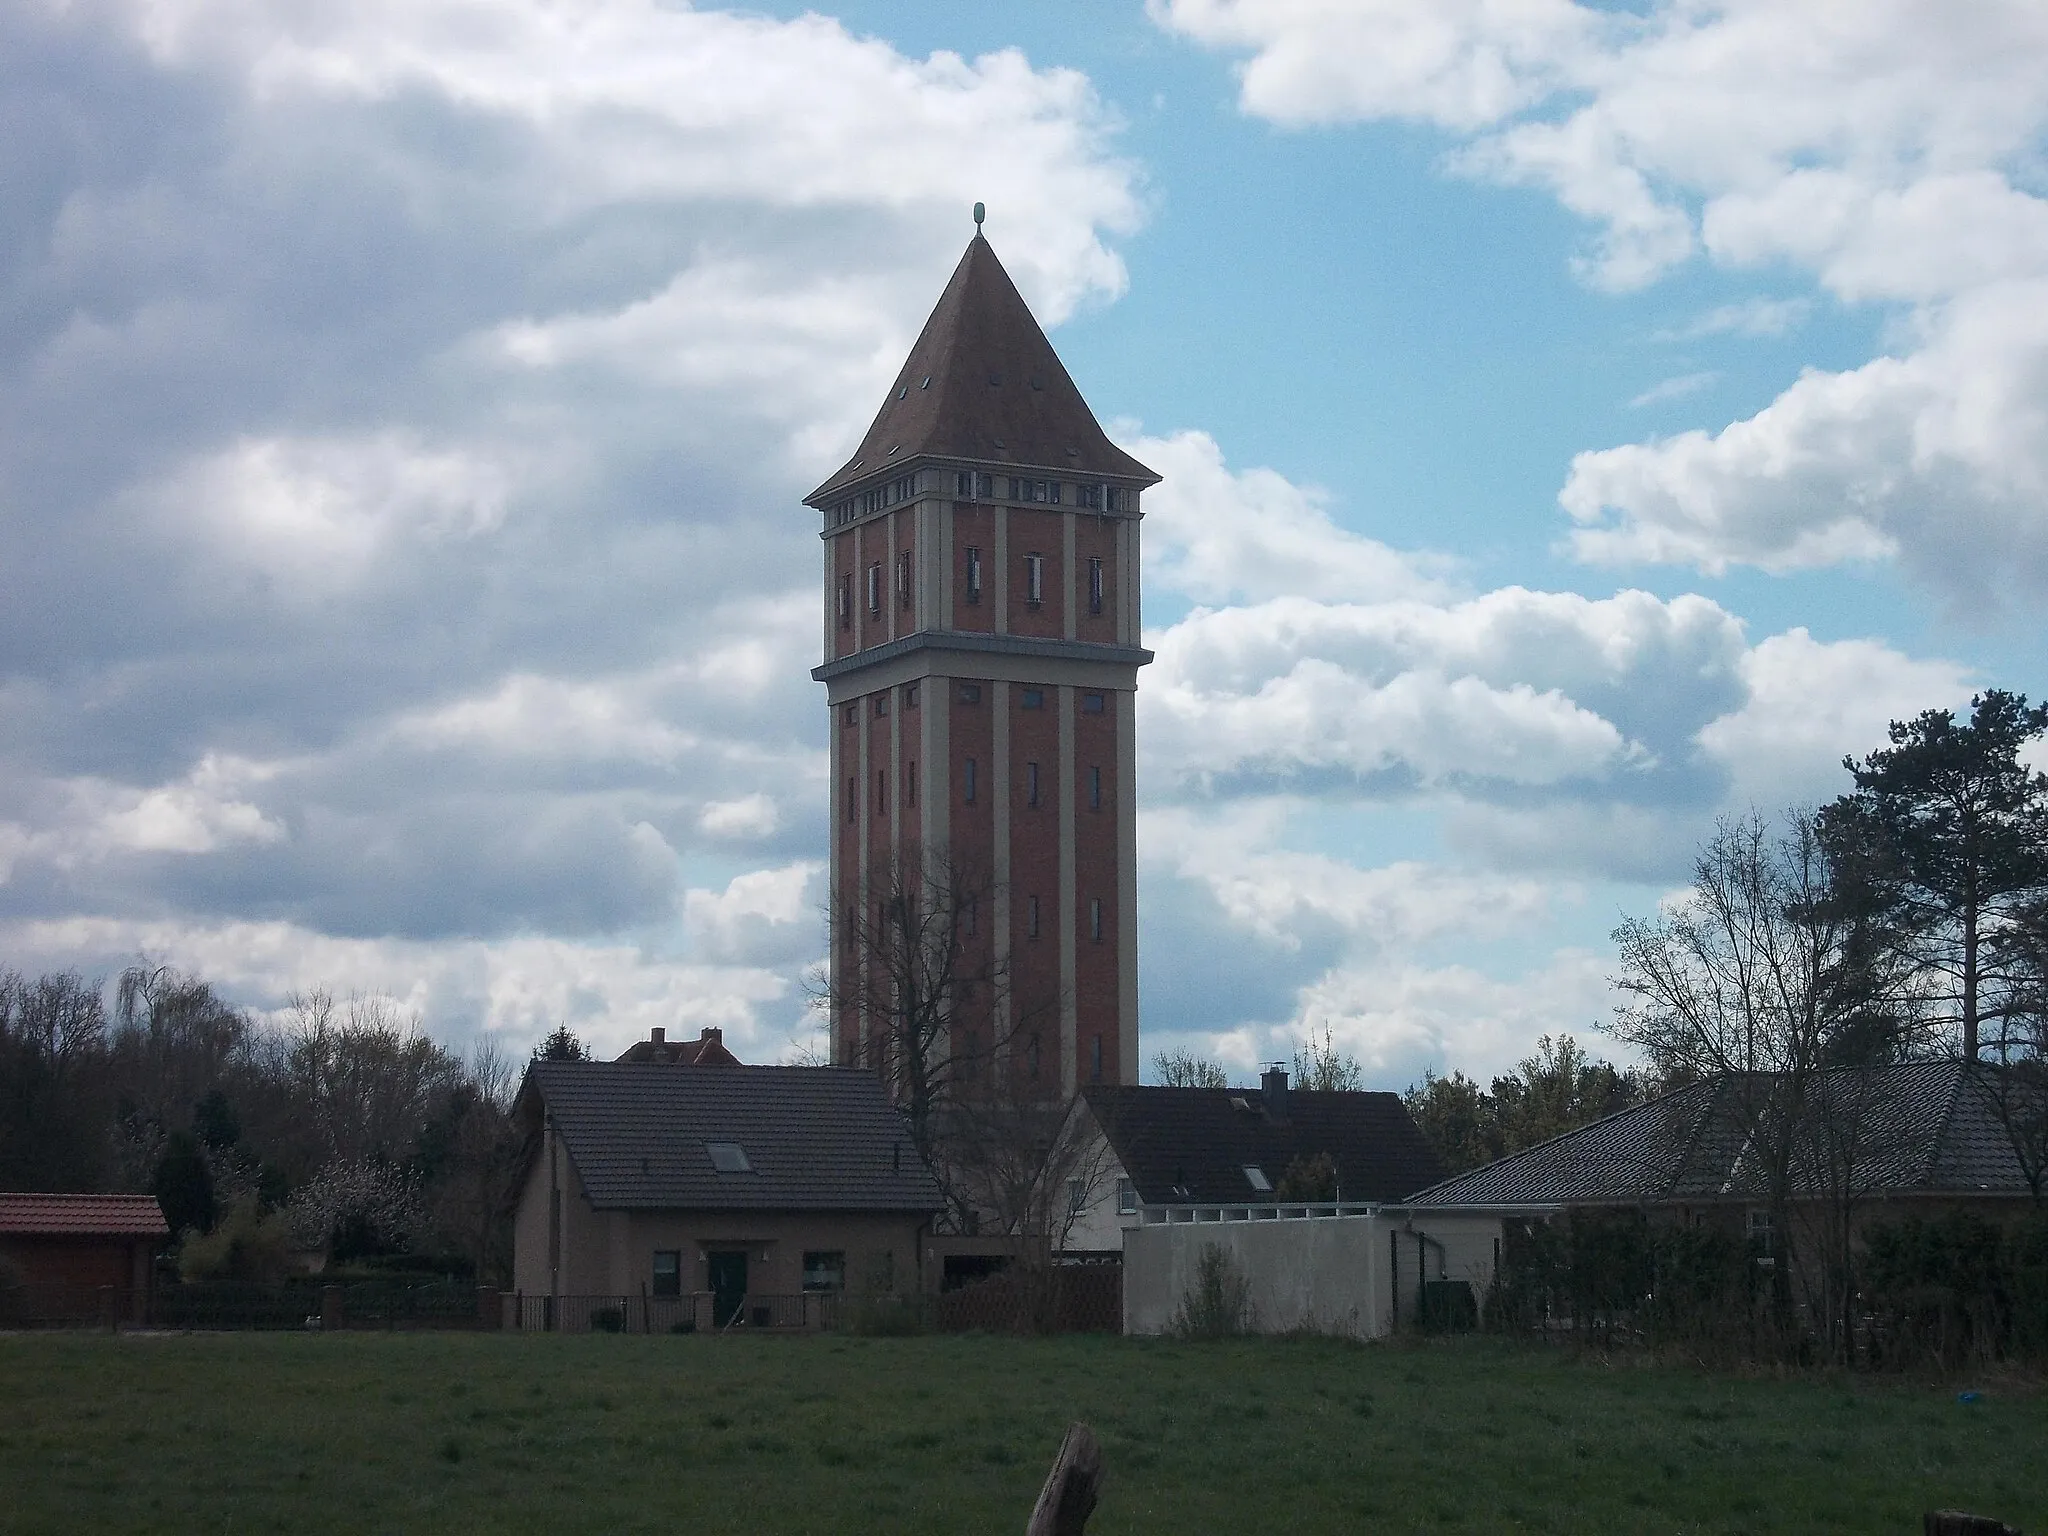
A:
981	641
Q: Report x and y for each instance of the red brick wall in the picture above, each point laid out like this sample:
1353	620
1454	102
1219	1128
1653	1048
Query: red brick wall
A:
1095	879
974	527
1035	869
1033	531
1095	536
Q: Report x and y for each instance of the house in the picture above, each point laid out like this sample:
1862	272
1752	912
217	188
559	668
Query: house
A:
707	1050
1227	1147
749	1196
81	1255
1917	1135
1866	1145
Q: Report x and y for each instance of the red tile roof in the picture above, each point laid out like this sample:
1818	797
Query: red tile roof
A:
82	1216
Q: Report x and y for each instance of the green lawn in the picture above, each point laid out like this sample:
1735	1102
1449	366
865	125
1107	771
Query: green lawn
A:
376	1432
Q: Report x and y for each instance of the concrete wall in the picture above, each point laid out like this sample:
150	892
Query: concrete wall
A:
1356	1275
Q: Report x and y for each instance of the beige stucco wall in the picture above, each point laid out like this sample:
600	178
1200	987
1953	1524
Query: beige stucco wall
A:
611	1253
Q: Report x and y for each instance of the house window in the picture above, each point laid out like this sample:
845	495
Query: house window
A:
1034	579
825	1271
846	602
1763	1238
1077	1196
667	1279
967	782
728	1157
973	575
1095	788
1094	586
1091	703
1126	1198
1255	1176
970	693
1031	918
1032	698
1095	918
1095	1059
903	579
1088	496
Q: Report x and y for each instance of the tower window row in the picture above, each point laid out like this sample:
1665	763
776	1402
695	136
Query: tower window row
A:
881	498
1090	495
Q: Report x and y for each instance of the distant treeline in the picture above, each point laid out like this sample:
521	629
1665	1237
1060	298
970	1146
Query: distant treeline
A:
340	1129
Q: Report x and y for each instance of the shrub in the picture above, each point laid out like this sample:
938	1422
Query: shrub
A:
884	1316
608	1320
1219	1304
246	1244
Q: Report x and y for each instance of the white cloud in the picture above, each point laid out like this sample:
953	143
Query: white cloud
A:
1888	150
767	907
1812	704
748	816
1674	388
1219	535
1748	317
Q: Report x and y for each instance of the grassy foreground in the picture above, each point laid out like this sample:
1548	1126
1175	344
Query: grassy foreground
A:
376	1432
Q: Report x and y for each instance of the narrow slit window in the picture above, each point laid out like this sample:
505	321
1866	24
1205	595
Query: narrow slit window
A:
910	696
1095	789
1031	918
967	784
1094	586
846	602
1095	918
1034	579
881	789
973	574
903	579
850	715
1031	785
875	588
881	705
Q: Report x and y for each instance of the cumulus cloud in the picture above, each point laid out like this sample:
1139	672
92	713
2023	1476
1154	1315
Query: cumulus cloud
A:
1888	151
403	414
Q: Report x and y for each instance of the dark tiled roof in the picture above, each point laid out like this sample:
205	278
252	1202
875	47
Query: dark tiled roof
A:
707	1050
1192	1144
818	1138
984	384
1917	1128
24	1215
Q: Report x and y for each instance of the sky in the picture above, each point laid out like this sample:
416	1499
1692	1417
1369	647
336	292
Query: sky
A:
1578	423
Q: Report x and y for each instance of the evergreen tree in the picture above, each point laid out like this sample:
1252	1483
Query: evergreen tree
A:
1944	846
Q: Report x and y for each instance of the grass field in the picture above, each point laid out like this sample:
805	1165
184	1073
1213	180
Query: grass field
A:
370	1432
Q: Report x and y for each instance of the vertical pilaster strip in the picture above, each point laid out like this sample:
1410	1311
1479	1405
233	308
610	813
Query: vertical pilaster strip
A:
1127	883
859	894
1071	619
826	642
935	798
1001	515
942	617
858	600
1066	908
891	537
894	783
999	874
1130	623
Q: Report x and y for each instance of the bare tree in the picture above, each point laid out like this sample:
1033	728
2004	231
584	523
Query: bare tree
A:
1319	1065
1763	981
922	990
1184	1069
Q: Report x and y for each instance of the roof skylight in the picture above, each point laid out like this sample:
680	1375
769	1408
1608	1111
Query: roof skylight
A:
728	1157
1255	1176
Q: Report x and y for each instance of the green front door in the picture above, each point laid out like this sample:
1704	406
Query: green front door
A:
728	1286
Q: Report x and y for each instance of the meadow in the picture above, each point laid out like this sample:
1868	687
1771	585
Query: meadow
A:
370	1432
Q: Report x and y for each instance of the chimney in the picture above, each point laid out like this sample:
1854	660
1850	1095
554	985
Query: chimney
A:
658	1035
1273	1088
712	1037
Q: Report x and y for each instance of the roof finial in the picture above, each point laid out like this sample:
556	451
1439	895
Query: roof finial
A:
980	213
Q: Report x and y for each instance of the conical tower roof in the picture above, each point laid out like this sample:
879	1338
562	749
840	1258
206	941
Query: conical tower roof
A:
983	384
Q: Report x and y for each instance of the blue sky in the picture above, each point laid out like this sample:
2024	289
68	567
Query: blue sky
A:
1579	423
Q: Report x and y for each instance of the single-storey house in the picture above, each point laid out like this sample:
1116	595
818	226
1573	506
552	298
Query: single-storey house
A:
1234	1147
661	1199
81	1255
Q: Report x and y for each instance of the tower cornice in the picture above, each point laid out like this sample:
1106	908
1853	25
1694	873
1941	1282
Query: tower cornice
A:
963	642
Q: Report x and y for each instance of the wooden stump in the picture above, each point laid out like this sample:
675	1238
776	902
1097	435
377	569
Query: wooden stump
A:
1068	1497
1952	1522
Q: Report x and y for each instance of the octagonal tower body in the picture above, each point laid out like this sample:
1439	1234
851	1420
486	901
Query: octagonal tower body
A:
981	642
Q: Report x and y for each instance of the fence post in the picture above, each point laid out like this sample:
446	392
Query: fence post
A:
330	1308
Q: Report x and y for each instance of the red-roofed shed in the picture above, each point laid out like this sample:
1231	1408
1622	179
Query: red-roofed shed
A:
78	1253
